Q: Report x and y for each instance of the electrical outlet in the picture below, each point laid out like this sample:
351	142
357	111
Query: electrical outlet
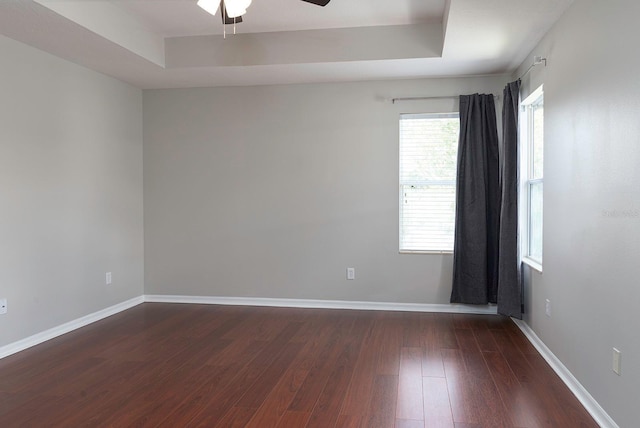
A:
351	273
3	306
617	361
107	278
547	308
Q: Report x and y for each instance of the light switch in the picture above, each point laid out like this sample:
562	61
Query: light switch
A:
351	273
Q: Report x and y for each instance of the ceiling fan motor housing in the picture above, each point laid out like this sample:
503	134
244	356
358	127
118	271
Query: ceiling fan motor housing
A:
318	2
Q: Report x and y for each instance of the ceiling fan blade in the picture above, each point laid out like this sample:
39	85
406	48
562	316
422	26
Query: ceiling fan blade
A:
318	2
226	19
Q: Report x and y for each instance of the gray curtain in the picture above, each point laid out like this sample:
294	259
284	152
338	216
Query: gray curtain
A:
509	284
475	253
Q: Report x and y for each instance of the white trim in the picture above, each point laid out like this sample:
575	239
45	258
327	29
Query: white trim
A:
581	393
533	96
532	264
51	333
323	304
525	172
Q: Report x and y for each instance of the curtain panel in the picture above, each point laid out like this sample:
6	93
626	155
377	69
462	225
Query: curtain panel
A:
509	280
475	254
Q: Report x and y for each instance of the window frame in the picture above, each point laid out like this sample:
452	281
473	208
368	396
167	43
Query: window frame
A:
527	179
449	115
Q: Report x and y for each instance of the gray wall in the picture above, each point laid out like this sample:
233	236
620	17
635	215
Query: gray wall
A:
592	200
71	191
274	191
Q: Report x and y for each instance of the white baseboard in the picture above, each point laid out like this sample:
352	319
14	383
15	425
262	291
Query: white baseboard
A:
51	333
581	393
322	304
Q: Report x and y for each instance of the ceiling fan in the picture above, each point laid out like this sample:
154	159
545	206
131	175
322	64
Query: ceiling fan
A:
232	10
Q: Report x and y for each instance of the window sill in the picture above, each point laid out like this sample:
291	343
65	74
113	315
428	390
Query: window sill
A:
426	252
537	266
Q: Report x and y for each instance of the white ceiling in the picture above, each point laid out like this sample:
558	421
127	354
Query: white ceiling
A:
174	43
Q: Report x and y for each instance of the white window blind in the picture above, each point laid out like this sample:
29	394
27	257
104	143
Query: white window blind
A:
428	157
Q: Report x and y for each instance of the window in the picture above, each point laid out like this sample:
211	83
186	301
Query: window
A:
532	173
428	158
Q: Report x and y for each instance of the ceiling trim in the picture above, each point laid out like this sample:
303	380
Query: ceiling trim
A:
307	47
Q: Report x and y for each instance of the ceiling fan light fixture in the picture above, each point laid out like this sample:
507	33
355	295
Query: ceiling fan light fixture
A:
210	6
236	8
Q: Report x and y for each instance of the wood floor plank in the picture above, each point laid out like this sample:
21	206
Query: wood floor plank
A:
521	342
408	423
327	408
264	323
269	377
410	402
432	365
10	401
314	321
413	335
485	340
565	406
465	321
207	365
467	340
36	411
446	332
389	351
437	408
166	397
474	399
183	374
276	404
237	417
382	408
112	385
524	409
180	409
516	359
57	373
358	395
474	362
218	404
292	419
349	421
317	348
314	383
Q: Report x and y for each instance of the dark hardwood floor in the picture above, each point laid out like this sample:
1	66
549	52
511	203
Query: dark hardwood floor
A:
197	365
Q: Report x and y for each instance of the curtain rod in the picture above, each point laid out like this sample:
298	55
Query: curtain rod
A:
443	97
537	60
